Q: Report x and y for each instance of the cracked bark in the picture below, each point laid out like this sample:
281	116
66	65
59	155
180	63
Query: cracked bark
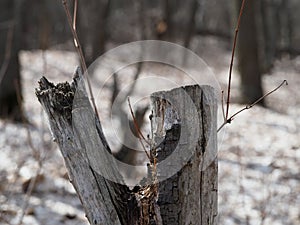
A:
186	127
187	196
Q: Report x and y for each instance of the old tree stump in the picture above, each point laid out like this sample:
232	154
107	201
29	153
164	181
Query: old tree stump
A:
182	183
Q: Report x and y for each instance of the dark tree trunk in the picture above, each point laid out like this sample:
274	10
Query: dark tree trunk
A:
92	30
10	81
286	25
191	23
268	33
248	54
44	24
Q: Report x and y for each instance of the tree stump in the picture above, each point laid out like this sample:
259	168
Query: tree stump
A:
182	185
186	153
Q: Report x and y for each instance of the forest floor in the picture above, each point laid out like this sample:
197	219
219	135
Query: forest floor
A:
259	153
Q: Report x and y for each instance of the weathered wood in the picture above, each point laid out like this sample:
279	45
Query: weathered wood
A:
186	130
186	194
99	196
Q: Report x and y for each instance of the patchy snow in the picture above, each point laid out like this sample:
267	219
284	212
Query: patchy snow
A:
259	153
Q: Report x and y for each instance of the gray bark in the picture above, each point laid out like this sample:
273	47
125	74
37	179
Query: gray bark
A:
186	155
187	196
99	196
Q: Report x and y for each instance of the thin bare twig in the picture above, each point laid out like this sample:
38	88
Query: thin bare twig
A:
75	36
152	131
222	101
80	53
251	105
228	119
139	133
75	19
232	57
135	121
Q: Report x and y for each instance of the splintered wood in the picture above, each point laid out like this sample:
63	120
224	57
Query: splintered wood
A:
182	184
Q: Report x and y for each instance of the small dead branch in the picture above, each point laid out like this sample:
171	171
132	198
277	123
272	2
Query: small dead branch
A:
72	25
78	47
139	133
223	100
251	105
75	14
232	58
226	117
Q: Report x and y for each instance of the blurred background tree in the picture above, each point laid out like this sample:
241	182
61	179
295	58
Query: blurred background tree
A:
269	30
92	27
248	53
10	80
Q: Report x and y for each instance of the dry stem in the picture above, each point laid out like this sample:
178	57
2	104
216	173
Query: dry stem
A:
139	133
232	57
226	117
251	105
78	47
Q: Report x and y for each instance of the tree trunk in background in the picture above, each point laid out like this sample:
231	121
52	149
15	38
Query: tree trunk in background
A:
268	33
248	54
10	81
91	27
44	24
191	23
287	27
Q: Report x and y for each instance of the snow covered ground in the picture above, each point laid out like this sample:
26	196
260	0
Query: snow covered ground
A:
259	153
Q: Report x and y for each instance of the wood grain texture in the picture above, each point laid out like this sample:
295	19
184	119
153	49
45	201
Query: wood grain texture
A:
186	129
105	202
184	187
